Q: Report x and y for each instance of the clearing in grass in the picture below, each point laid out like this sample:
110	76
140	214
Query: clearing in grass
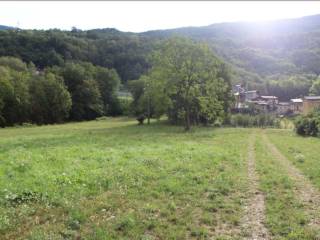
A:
112	179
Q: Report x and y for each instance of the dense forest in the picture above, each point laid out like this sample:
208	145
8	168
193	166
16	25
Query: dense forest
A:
74	91
278	58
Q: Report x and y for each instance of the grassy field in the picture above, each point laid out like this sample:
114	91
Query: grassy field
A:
112	179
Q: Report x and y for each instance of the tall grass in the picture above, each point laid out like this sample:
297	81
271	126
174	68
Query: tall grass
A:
260	120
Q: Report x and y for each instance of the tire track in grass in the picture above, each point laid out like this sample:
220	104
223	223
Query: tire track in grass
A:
304	189
254	218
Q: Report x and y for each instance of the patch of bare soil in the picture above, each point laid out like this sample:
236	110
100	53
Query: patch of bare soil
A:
305	191
254	218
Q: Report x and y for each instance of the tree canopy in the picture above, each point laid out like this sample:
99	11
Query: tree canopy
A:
74	91
187	82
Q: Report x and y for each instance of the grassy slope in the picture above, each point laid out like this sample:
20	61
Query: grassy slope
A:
285	215
302	151
103	179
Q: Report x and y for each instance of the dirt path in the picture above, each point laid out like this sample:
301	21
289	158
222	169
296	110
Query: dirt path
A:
307	193
253	222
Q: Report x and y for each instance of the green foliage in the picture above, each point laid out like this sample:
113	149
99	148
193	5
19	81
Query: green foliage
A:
112	179
288	87
75	91
14	96
257	53
308	125
124	104
108	82
50	100
125	52
149	96
187	81
137	88
282	62
315	88
286	216
259	120
93	90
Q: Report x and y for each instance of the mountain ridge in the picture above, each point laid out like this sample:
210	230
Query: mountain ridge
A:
260	54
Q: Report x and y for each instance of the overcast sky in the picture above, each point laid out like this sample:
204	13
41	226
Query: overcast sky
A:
143	16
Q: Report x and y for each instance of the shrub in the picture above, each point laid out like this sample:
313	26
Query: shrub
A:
308	125
141	119
103	118
260	120
124	105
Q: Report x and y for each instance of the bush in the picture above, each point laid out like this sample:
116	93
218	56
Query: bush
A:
124	104
103	118
141	119
308	125
260	120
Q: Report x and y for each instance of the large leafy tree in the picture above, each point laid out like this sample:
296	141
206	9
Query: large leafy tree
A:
150	98
6	93
195	81
108	82
16	98
50	100
77	91
86	97
315	88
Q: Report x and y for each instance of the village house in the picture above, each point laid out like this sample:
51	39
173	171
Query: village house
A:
296	105
239	94
261	105
272	100
269	103
284	108
245	100
251	95
310	103
243	97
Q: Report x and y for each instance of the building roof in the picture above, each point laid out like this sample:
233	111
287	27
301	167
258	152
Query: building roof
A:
296	100
284	103
312	97
262	103
258	102
269	97
238	89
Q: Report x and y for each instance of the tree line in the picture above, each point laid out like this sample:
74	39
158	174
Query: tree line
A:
75	91
88	67
186	82
284	65
124	52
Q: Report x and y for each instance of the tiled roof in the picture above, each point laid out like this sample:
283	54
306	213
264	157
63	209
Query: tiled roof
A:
269	97
284	103
296	100
312	97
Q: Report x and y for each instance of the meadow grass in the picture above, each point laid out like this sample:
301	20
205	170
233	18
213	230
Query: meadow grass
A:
285	214
303	152
113	179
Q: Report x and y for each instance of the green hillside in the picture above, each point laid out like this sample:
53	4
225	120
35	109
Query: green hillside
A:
264	51
271	56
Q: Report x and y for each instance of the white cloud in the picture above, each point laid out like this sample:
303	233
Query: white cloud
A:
143	16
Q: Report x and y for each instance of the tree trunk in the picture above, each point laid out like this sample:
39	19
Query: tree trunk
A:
148	109
187	120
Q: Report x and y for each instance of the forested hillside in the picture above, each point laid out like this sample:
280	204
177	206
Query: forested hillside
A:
272	55
279	57
3	27
126	52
